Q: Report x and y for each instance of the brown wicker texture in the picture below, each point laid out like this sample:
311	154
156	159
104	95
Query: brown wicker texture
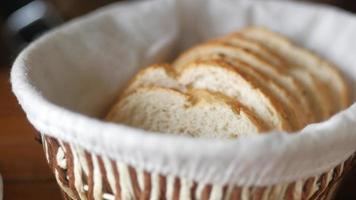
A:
82	175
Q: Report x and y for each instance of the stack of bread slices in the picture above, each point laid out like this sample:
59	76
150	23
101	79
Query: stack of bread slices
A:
248	82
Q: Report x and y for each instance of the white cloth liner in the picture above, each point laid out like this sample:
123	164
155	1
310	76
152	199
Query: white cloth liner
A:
66	81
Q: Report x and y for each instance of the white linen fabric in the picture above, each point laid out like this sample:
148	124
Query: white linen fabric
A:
66	81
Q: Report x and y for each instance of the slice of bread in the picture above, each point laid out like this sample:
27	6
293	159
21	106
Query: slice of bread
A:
220	76
273	58
217	49
297	117
162	75
295	110
227	81
307	60
254	47
211	49
317	93
197	113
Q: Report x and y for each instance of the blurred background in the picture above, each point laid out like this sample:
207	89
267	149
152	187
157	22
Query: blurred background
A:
22	163
21	21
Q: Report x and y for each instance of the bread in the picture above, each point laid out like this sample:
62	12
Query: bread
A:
273	58
254	47
218	76
216	47
255	62
162	75
306	60
197	113
245	83
317	94
315	91
295	110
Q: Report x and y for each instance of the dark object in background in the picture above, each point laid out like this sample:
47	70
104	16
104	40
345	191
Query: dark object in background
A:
15	40
26	20
21	21
347	189
8	7
349	5
74	8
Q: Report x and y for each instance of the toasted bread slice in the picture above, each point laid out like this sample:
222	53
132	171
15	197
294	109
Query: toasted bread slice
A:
300	57
197	113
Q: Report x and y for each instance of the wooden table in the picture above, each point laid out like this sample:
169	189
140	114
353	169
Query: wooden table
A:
22	164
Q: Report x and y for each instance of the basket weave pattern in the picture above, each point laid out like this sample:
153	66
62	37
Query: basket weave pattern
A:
82	175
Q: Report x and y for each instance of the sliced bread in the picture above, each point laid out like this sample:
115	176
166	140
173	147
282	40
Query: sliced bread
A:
317	93
295	110
231	52
197	113
162	75
217	47
227	81
220	76
307	60
273	58
255	47
211	49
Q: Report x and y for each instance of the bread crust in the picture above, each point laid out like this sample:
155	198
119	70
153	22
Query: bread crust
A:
261	51
264	67
171	74
326	72
216	48
276	107
299	102
257	74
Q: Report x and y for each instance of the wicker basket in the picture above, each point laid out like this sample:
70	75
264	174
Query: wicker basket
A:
67	80
83	175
